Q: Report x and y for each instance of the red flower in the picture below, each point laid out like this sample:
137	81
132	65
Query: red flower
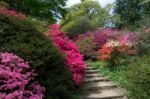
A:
73	59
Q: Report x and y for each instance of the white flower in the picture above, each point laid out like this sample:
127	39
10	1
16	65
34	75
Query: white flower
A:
113	43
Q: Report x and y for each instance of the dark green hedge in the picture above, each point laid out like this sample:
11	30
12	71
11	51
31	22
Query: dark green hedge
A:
138	76
22	38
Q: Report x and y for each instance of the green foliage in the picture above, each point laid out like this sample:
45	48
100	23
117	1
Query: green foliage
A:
143	42
138	77
73	27
131	12
23	39
145	8
145	22
88	47
4	4
133	77
41	26
117	75
42	9
82	17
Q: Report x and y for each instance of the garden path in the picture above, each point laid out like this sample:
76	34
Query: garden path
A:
97	87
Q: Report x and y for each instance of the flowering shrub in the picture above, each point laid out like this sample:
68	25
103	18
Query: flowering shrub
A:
101	36
113	50
89	43
11	13
16	82
73	60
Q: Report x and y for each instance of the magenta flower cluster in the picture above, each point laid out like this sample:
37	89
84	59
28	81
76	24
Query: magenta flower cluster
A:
126	38
16	79
103	35
73	59
11	13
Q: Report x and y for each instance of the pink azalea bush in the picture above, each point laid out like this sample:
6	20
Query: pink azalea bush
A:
89	43
106	44
16	81
73	59
11	13
101	36
116	49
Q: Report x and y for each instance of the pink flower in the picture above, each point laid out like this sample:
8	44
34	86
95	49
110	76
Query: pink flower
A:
73	59
16	82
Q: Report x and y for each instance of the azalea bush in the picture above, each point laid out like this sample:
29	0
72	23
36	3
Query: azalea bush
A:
114	51
90	42
73	59
17	80
21	37
103	35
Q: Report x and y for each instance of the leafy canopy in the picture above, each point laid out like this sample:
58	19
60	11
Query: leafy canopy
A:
42	9
82	17
132	11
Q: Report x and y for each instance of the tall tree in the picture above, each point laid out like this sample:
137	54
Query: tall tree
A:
42	9
131	11
82	17
146	8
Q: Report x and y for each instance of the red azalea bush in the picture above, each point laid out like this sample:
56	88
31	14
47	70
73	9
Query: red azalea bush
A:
73	59
16	81
11	13
114	50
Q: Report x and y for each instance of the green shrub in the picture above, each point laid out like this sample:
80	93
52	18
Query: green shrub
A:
23	39
144	46
4	4
41	26
79	26
142	41
138	76
88	47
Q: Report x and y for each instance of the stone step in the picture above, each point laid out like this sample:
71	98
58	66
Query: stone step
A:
93	75
91	71
99	85
90	68
105	94
95	79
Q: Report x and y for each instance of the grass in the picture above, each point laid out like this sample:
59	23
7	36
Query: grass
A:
117	75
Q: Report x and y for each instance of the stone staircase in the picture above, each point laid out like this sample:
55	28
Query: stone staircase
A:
97	87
